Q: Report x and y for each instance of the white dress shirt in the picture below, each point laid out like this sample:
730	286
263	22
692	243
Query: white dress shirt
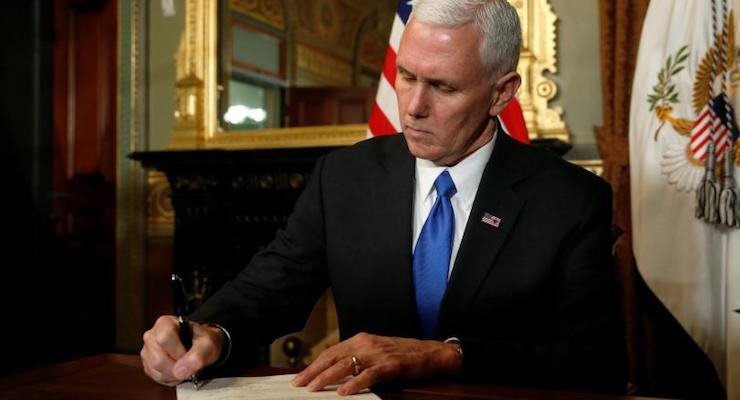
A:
466	175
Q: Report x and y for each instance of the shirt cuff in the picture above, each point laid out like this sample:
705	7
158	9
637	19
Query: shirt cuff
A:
456	341
224	356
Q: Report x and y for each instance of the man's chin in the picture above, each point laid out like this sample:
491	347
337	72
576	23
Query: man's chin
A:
421	151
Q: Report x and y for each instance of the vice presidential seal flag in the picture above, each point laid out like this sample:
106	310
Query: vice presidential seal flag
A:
684	160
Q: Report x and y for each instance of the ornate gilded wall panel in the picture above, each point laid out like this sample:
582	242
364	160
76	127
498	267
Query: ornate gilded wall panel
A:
196	88
539	55
161	214
270	12
333	70
330	23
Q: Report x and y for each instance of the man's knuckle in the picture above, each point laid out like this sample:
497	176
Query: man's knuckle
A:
368	340
156	362
161	337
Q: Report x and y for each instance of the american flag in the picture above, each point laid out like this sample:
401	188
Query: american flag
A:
491	219
716	122
384	118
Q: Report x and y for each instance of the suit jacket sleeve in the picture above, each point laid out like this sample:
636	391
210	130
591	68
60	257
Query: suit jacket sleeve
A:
275	293
584	347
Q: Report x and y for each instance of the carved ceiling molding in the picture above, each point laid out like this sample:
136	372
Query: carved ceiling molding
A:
270	12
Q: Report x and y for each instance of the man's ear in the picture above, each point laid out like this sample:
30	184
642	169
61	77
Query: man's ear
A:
503	91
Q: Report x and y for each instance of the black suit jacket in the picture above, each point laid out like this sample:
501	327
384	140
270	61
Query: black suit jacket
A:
532	300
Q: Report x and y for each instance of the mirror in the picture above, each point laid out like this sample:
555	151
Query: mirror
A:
246	68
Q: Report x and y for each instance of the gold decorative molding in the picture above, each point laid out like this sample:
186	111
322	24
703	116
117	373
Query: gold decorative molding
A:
270	12
329	23
539	55
195	80
313	136
324	65
161	215
130	216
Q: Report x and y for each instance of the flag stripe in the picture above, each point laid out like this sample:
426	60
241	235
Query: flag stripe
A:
396	32
701	145
387	101
699	132
389	70
512	120
381	123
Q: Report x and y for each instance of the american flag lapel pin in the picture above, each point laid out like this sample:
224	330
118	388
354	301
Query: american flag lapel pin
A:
491	219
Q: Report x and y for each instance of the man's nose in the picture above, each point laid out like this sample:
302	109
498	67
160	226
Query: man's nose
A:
418	106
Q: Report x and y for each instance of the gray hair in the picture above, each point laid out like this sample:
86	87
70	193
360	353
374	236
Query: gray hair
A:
496	20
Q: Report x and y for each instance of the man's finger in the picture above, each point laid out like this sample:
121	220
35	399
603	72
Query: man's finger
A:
157	364
166	334
190	364
325	360
334	373
364	380
319	365
205	351
160	377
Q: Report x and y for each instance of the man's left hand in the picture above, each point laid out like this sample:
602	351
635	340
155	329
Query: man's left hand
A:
379	359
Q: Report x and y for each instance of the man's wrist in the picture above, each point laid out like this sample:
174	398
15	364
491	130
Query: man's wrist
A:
225	345
456	357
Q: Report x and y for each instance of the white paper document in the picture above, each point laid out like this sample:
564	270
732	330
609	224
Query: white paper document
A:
276	387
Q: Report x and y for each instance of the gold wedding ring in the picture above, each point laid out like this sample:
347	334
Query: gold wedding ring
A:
356	363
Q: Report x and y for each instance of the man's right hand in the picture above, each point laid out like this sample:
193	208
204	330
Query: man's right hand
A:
165	358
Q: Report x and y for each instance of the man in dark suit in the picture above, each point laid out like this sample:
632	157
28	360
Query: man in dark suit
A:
451	250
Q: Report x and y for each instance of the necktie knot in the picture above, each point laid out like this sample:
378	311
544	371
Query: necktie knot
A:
444	185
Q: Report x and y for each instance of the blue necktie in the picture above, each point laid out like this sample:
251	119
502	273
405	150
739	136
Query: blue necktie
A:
432	255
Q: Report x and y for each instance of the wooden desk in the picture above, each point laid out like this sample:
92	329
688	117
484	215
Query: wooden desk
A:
116	376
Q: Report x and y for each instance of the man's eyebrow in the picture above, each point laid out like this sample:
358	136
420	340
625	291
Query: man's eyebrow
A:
403	70
431	81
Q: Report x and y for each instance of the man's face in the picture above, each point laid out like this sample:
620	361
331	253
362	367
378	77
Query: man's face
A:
445	96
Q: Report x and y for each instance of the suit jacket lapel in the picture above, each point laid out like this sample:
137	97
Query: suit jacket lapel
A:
394	214
481	243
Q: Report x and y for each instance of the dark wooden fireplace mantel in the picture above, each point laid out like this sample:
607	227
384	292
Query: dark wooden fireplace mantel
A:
228	205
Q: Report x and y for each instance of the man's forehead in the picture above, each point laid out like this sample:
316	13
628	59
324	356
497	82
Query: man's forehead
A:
421	37
438	50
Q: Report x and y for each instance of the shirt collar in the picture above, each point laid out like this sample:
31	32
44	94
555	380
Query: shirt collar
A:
466	174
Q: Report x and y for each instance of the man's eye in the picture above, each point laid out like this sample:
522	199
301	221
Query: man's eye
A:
444	88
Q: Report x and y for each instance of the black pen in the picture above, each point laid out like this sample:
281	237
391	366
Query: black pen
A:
181	312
